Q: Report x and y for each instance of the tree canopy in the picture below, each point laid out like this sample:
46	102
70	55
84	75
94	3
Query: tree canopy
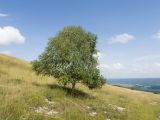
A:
69	57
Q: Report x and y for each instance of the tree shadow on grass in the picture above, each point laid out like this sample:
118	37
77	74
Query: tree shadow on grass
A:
36	84
77	93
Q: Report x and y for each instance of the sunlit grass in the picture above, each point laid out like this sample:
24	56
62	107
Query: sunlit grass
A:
22	91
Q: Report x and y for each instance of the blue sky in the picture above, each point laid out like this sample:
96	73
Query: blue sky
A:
128	31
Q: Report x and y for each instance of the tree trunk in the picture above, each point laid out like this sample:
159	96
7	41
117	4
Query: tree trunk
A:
73	86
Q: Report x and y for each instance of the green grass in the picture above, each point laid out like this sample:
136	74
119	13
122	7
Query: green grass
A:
22	91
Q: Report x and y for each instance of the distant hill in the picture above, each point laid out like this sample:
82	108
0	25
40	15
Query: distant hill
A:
144	84
26	96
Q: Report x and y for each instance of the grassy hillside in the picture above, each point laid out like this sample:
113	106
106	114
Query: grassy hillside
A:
26	96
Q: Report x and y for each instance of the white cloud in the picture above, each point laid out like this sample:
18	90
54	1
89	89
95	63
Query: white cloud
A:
121	38
157	64
9	35
114	66
118	70
3	15
157	35
105	66
148	58
5	52
118	66
99	55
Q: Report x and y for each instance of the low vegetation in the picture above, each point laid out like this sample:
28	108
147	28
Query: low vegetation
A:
26	96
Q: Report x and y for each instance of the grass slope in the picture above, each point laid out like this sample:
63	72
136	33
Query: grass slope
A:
26	96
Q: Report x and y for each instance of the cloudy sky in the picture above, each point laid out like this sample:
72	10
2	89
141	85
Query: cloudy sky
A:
128	31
